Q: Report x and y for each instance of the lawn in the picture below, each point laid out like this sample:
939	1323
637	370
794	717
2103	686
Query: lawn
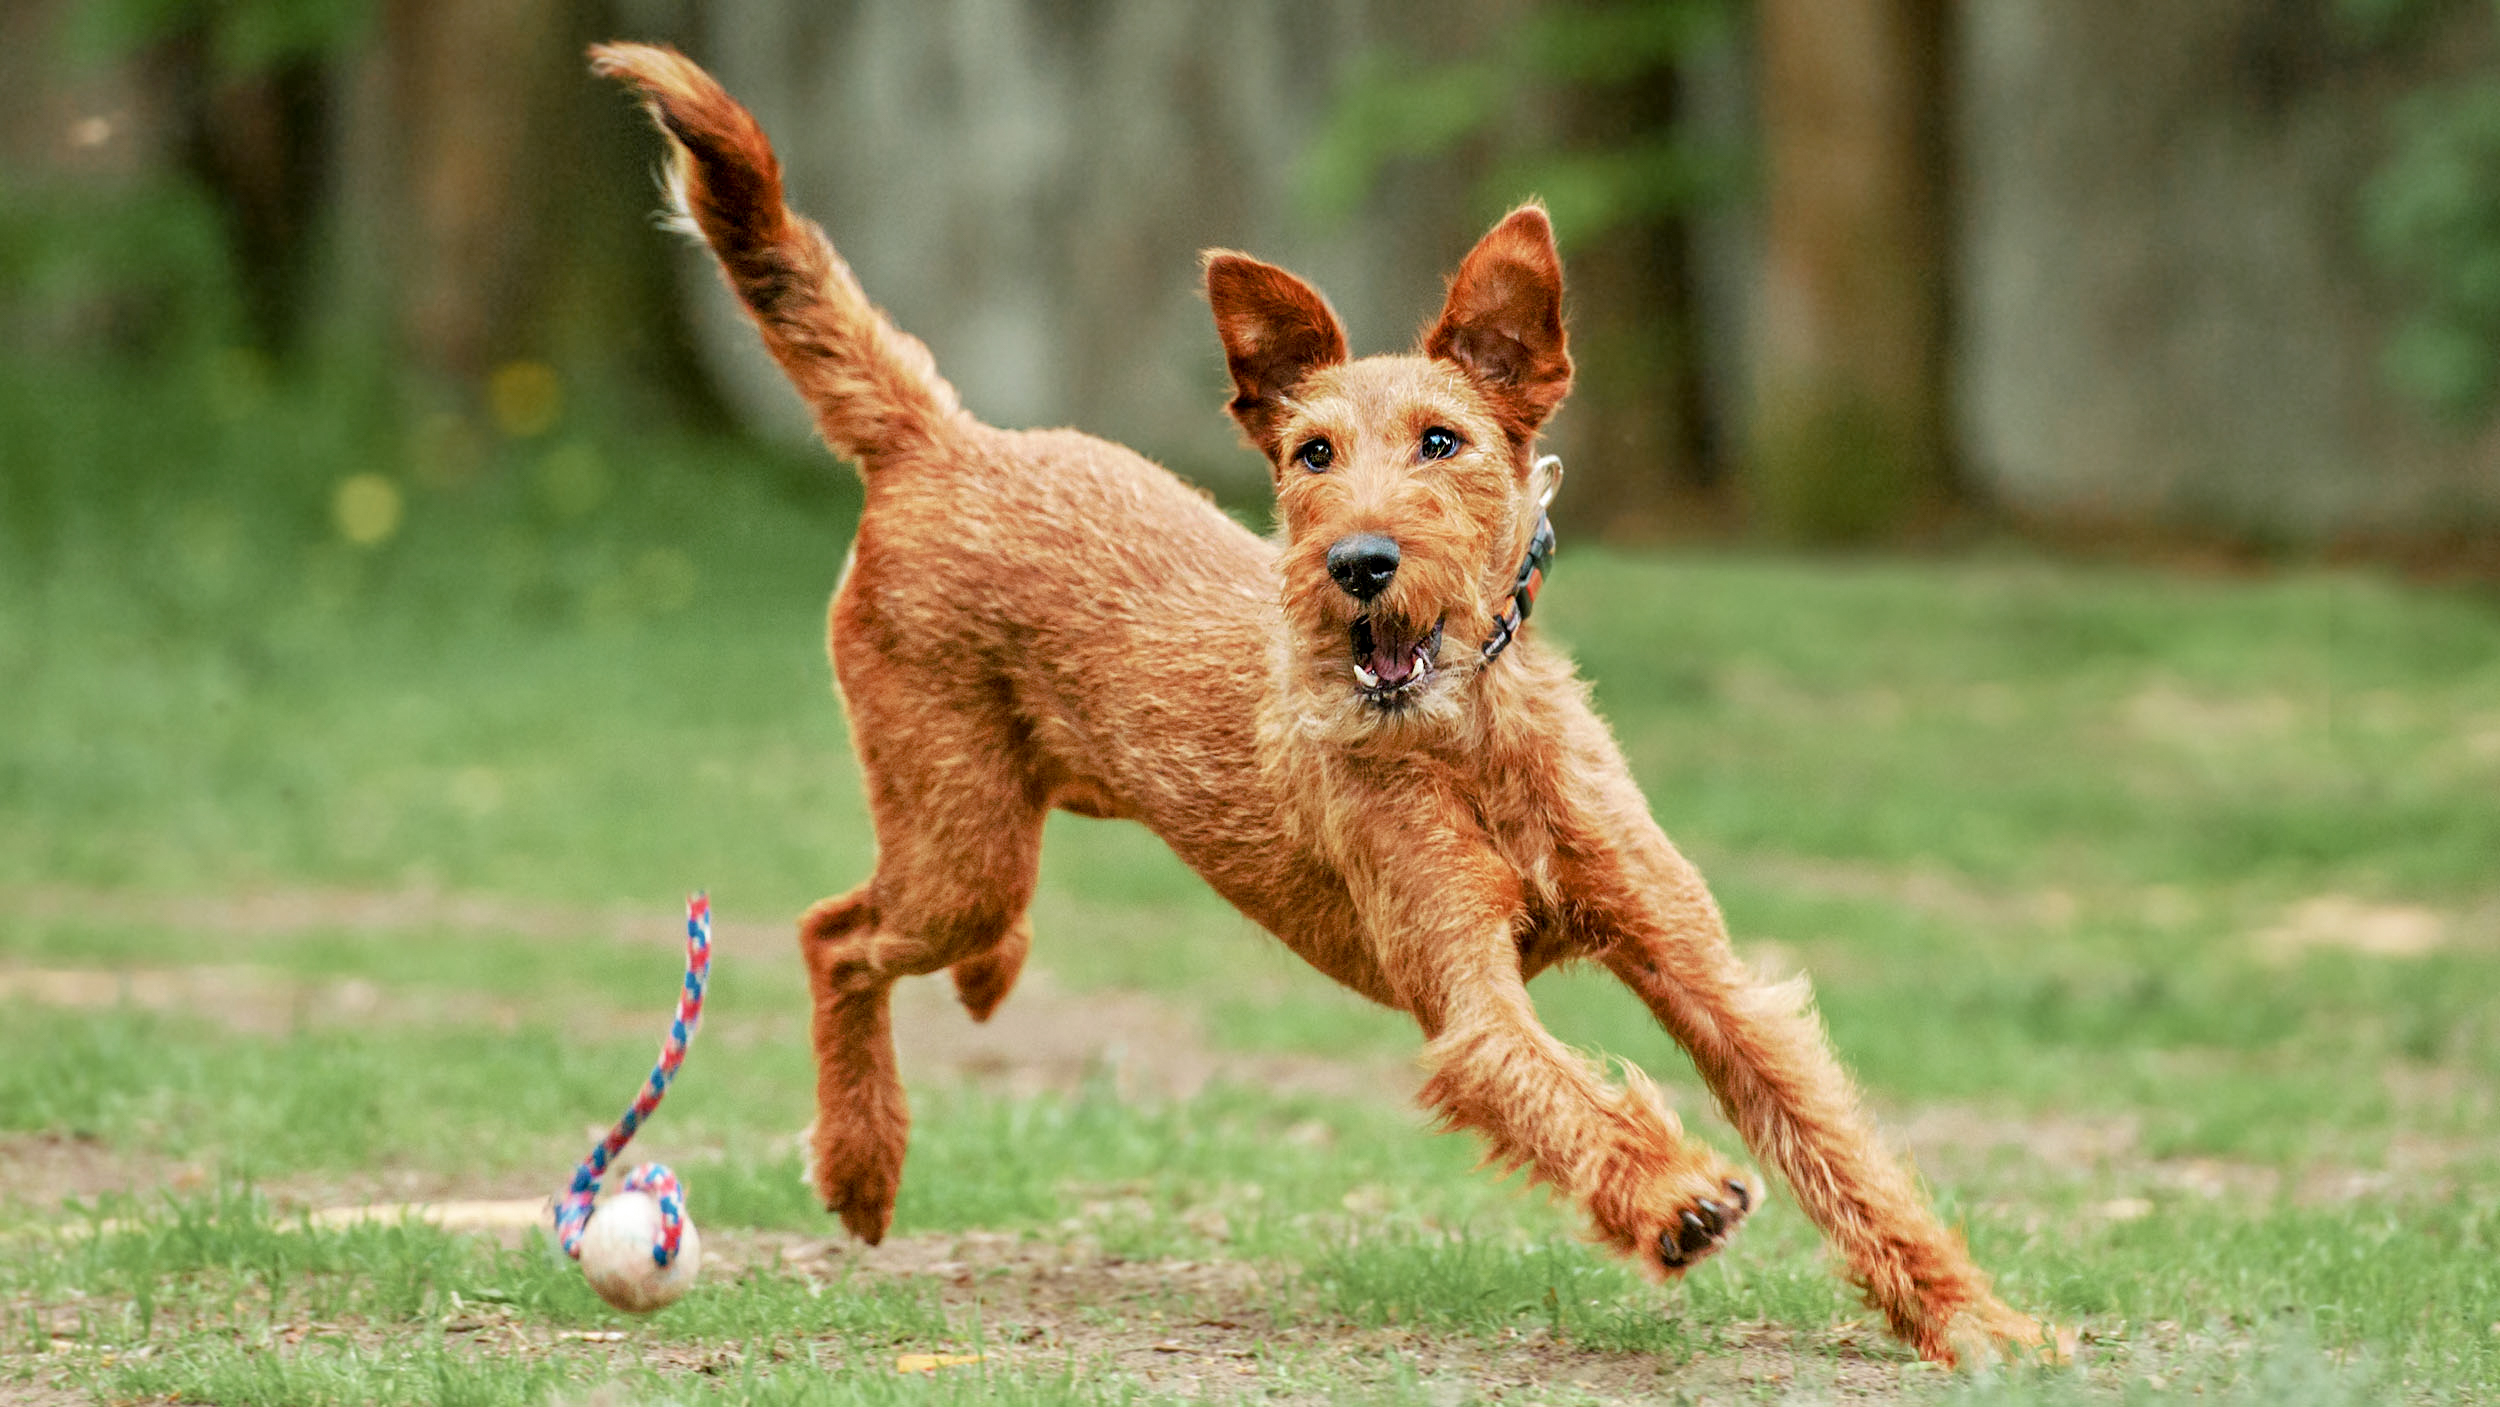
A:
2160	915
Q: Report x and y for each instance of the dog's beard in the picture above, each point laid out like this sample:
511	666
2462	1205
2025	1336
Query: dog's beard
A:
1415	692
1390	671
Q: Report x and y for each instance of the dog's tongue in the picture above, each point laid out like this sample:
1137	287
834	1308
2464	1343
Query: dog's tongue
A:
1392	660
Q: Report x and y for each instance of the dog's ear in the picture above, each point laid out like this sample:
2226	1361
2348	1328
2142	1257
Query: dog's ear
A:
1276	331
1503	322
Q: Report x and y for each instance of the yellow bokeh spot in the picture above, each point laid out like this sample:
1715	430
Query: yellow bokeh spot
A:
525	398
367	508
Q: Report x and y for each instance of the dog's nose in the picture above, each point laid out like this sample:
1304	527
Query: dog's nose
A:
1363	564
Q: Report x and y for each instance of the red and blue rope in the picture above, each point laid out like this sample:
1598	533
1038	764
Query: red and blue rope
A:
573	1208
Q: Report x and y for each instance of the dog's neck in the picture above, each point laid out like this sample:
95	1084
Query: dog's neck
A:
1477	749
1529	580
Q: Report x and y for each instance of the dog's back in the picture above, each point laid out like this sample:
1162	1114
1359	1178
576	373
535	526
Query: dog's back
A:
1069	594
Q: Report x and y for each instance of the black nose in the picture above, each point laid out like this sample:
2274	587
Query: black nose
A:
1363	564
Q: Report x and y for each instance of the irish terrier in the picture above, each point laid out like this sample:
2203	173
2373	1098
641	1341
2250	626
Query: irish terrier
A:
1348	731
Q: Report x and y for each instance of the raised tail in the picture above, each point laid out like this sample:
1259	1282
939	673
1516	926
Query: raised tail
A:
874	388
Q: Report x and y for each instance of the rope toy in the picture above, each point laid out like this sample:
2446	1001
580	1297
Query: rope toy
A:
638	1247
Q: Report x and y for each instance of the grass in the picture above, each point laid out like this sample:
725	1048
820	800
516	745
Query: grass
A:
2159	911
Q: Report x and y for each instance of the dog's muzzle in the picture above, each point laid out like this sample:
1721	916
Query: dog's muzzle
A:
1389	662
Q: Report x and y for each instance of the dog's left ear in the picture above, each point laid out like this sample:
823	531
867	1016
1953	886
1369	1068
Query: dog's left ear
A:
1503	322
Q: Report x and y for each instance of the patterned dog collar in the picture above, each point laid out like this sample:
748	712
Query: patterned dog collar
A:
1531	578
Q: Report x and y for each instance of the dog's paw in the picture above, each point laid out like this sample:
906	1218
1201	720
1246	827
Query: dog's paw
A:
865	1204
1701	1223
856	1177
1987	1331
865	1217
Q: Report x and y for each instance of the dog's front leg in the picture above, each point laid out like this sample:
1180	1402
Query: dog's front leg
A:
1444	913
1655	926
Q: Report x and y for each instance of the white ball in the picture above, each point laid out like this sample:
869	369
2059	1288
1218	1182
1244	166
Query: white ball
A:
616	1254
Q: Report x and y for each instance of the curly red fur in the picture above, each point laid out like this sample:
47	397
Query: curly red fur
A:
1042	619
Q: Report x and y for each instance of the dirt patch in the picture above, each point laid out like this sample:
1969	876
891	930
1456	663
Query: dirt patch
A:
1047	1038
1924	891
298	911
1220	1328
2343	923
42	1170
2325	922
40	1393
1953	1132
2103	1156
249	999
2165	712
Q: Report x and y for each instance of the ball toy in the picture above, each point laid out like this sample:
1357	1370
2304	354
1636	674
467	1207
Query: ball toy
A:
637	1247
616	1251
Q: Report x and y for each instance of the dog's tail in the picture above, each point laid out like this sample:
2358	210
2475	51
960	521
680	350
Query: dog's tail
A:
874	388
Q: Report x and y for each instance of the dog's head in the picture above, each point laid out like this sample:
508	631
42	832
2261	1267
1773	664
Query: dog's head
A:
1403	483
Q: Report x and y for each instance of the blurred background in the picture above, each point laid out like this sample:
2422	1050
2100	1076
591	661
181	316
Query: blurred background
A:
2221	275
2033	526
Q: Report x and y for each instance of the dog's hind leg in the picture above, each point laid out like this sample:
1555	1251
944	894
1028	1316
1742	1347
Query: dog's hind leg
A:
1650	919
959	827
983	980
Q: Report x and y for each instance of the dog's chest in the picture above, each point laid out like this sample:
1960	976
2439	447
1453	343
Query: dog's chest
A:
1523	835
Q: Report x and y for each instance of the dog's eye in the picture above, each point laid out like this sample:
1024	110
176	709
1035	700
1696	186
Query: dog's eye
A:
1440	442
1315	455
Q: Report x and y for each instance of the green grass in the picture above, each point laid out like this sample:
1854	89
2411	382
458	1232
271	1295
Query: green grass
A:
2029	826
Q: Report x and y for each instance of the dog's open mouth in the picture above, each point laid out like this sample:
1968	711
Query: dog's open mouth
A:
1390	662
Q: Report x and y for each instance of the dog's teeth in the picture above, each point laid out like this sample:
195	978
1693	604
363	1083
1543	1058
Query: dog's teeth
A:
1366	678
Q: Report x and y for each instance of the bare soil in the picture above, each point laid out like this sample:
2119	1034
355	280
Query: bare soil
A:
1223	1328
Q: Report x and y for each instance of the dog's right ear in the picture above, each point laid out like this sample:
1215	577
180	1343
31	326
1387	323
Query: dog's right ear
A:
1276	331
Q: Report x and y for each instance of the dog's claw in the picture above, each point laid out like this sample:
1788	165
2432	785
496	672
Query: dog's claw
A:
1694	1238
1704	1226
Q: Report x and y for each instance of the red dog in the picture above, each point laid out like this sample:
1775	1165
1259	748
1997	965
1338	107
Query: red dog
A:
1347	731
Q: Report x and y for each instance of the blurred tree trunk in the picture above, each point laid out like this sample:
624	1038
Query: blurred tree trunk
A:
1851	413
1642	458
259	144
467	90
499	208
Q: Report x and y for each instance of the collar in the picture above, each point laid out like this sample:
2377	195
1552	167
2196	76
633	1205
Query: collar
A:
1531	578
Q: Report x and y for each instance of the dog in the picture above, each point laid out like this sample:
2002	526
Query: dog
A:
1351	732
